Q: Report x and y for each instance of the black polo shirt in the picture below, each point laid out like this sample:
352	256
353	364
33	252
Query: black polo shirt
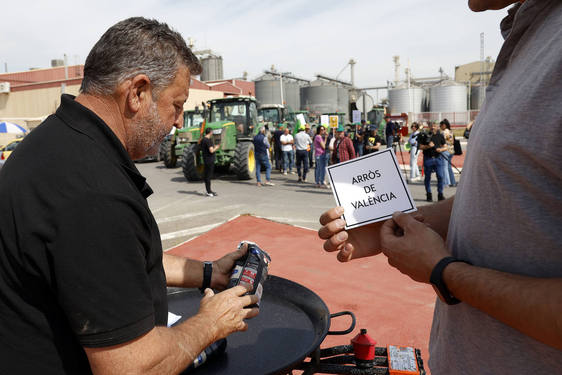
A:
439	141
80	252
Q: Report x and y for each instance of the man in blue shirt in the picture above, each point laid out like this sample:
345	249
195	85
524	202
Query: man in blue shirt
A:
261	147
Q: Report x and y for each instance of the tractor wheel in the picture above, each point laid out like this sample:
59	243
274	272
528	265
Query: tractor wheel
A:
167	153
192	169
244	160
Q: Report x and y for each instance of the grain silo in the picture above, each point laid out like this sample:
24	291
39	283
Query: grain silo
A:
292	95
406	100
448	96
269	86
268	90
343	100
320	98
212	68
477	96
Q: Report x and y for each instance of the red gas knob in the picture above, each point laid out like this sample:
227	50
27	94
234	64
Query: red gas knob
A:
363	346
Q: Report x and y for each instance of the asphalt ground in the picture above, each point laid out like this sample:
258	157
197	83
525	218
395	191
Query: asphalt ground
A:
183	211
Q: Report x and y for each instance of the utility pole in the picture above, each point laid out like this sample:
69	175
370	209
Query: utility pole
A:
352	69
281	86
481	88
396	60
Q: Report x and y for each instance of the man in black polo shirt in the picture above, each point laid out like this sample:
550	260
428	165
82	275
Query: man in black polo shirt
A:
432	148
82	274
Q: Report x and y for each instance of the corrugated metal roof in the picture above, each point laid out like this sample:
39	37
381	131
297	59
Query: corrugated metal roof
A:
42	75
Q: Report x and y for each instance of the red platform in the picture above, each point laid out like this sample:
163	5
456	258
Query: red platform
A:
394	309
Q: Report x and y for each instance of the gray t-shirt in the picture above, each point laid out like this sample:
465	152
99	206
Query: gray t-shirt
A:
302	140
507	214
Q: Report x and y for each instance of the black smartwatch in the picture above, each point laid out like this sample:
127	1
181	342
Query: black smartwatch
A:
436	279
207	273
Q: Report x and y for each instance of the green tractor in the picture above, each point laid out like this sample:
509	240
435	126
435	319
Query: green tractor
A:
376	117
191	119
271	115
293	121
234	121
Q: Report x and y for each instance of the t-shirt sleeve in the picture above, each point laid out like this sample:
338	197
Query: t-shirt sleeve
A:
99	264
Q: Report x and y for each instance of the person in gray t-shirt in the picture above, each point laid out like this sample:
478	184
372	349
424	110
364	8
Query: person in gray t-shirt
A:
494	251
302	144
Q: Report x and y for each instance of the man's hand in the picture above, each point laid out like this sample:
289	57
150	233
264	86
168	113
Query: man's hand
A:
222	268
411	247
356	243
226	310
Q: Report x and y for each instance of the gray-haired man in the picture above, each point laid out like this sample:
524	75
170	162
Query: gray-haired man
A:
83	276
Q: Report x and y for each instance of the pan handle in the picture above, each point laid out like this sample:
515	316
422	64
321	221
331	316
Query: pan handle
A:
350	329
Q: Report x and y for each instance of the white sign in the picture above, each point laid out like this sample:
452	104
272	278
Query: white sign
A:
356	116
325	120
370	188
300	119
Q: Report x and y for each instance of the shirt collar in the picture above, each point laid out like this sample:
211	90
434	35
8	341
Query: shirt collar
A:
85	121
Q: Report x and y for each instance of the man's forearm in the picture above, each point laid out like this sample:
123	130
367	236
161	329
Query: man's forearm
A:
437	215
161	351
530	305
182	272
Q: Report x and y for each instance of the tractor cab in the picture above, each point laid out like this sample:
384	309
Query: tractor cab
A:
194	118
242	111
270	115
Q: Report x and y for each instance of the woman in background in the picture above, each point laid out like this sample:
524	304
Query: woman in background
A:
448	173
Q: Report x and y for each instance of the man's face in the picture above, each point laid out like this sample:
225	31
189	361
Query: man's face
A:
341	135
150	128
434	127
286	130
481	5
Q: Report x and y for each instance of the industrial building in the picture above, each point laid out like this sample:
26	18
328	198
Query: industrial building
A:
421	98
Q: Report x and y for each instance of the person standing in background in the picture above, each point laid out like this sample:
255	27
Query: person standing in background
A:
390	131
261	147
414	152
277	152
358	141
319	152
308	131
287	142
302	145
343	147
447	155
208	150
432	161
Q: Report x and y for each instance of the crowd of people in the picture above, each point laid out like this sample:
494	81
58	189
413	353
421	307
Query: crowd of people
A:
324	147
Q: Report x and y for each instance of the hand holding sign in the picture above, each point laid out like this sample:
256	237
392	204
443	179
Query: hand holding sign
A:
365	188
357	243
370	188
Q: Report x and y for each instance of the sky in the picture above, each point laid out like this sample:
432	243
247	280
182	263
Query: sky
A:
303	37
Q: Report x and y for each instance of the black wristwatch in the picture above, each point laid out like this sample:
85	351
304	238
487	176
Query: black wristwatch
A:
436	279
207	273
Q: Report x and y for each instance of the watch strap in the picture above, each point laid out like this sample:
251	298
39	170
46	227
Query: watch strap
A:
436	279
207	273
